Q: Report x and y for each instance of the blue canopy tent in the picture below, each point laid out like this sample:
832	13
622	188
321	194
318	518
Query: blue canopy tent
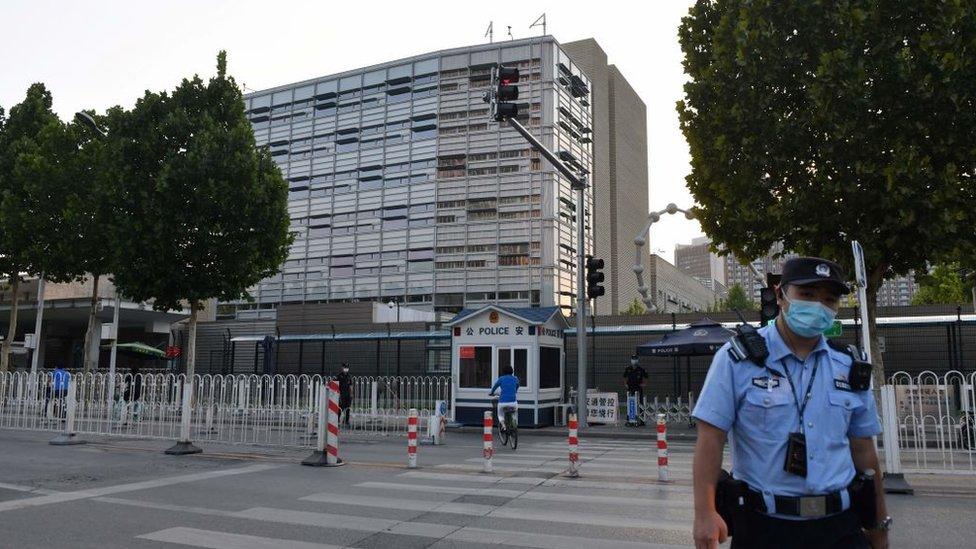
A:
700	338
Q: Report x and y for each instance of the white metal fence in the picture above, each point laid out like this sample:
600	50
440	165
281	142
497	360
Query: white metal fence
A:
273	410
934	416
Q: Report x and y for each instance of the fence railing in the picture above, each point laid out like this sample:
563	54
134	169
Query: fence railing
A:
935	421
257	409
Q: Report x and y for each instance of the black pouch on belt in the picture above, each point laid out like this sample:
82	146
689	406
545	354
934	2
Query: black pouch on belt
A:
728	496
864	500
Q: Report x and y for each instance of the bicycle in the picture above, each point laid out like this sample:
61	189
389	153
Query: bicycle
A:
510	432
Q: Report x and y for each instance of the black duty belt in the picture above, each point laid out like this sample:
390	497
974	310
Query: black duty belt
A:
798	506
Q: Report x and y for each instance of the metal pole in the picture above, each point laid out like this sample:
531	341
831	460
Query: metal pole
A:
37	324
580	308
112	353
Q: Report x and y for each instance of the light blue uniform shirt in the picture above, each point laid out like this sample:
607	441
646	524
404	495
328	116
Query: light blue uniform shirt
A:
756	408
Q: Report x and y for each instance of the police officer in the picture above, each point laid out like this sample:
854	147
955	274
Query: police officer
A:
799	430
345	394
634	378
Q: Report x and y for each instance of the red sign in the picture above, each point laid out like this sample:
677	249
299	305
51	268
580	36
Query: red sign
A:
467	352
173	351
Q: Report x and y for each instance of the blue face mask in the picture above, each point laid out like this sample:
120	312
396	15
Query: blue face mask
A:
808	318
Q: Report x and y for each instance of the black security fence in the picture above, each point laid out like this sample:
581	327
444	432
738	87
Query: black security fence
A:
936	342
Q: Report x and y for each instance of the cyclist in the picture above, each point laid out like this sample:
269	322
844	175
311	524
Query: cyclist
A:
508	400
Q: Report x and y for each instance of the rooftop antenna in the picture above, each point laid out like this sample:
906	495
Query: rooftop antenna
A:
541	21
510	37
490	33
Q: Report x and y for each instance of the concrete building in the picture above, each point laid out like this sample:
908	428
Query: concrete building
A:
701	263
620	184
65	321
673	291
402	189
897	291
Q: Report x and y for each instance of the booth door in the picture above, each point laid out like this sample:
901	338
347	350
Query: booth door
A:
514	356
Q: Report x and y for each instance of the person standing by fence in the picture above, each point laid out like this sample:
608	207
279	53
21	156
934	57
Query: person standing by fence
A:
60	378
133	393
345	394
635	377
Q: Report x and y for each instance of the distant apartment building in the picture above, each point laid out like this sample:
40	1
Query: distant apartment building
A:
897	291
701	263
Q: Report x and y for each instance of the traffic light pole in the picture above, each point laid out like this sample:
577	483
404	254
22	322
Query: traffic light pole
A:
579	184
580	310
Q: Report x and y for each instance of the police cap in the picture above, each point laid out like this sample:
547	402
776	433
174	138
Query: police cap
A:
803	271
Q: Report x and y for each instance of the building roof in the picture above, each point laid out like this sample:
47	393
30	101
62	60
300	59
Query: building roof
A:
529	315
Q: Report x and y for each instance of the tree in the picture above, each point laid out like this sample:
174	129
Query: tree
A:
636	308
737	300
35	148
945	284
205	210
816	124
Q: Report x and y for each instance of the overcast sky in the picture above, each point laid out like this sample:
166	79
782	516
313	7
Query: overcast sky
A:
95	54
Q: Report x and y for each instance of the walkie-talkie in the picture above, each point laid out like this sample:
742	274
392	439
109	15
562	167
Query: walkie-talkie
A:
750	343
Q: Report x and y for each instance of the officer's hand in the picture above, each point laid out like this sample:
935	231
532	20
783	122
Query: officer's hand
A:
878	538
710	530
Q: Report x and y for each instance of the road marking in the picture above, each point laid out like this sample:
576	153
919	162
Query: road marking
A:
195	537
62	497
520	513
400	504
481	479
29	489
535	495
419	529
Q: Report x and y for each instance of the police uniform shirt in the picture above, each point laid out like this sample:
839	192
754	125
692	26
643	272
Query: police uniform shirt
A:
634	375
759	412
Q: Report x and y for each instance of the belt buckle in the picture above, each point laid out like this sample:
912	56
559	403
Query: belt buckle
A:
813	506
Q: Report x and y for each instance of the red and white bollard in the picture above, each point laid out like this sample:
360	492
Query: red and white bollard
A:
662	449
412	439
489	449
573	447
327	445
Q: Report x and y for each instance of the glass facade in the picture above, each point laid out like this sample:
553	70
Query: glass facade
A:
400	187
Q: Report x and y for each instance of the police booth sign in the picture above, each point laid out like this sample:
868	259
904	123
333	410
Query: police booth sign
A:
490	342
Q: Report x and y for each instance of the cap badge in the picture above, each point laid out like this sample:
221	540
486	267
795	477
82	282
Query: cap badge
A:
823	270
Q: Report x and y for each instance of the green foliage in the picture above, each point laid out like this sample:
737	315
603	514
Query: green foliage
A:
206	210
636	308
816	123
34	147
737	300
945	284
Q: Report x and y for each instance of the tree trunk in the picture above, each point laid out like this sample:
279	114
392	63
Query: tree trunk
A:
191	343
974	298
89	362
12	329
875	280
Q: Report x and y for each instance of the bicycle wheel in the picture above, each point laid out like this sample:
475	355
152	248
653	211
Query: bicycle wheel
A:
514	438
511	423
503	434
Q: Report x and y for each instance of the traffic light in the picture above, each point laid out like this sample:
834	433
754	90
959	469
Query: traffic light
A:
768	308
594	276
503	91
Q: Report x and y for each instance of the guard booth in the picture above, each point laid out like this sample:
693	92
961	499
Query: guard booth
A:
484	341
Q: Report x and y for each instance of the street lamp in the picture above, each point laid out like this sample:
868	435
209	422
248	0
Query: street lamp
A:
84	118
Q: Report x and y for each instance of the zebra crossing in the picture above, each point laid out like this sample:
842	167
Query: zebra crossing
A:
528	502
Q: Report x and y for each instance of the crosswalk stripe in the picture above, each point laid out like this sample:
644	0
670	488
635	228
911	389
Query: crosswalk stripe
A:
195	537
520	513
375	525
534	495
400	504
549	541
483	479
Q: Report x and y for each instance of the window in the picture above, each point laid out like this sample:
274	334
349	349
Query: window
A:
451	203
475	367
449	265
450	249
549	367
508	169
446	219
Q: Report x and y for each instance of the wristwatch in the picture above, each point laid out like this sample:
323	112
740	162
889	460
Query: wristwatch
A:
884	524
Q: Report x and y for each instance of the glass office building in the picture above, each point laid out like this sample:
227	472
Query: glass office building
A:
400	187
